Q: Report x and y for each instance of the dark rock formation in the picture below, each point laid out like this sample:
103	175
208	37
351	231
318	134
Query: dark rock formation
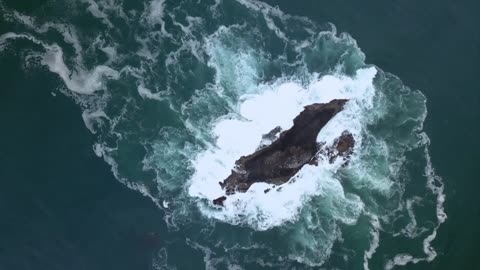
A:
284	157
219	201
269	137
342	147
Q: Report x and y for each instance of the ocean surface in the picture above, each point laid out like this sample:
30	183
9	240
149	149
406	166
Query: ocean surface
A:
119	118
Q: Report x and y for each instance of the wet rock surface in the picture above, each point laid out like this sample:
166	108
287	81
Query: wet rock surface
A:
277	162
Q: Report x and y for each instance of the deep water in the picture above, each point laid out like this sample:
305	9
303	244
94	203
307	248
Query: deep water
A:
62	207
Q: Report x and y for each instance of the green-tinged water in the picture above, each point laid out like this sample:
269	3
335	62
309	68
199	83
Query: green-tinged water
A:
119	118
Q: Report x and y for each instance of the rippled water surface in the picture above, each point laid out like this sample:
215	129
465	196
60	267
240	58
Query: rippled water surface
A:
166	95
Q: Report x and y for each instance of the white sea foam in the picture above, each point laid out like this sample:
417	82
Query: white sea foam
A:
156	11
105	152
80	80
209	260
147	93
98	12
411	230
160	261
277	105
435	185
374	243
90	118
154	14
68	32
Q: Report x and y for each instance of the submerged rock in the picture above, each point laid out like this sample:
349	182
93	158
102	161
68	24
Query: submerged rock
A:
277	162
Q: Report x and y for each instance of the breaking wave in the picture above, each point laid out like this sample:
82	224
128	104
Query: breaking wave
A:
176	92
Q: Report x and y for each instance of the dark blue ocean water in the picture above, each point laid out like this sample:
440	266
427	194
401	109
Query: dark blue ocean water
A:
62	207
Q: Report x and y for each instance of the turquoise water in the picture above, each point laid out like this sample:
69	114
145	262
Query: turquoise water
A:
164	89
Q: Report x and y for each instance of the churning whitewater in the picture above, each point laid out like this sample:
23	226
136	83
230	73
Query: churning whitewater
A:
276	105
176	92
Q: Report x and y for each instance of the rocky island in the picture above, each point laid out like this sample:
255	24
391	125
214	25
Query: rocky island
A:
286	155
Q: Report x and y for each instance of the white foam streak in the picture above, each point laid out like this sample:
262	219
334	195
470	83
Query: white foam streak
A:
97	12
5	38
80	81
266	11
89	118
411	230
436	186
375	242
69	34
147	93
156	12
104	151
210	263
